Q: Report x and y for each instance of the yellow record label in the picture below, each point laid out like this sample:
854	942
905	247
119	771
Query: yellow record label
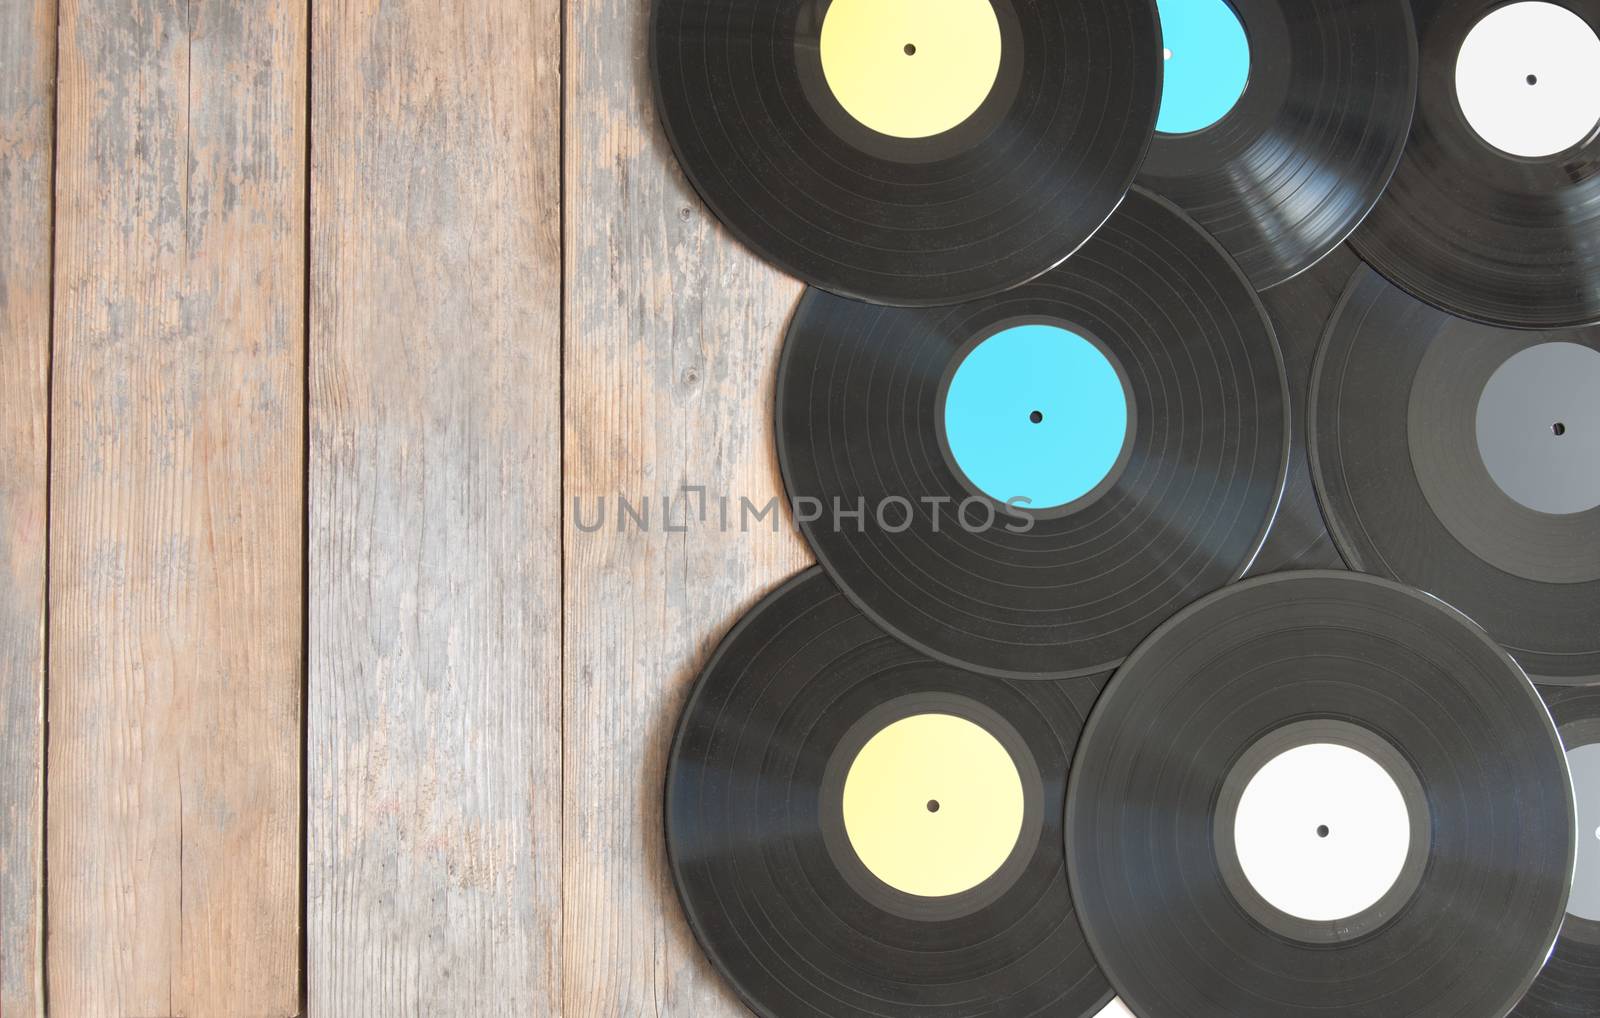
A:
933	805
910	68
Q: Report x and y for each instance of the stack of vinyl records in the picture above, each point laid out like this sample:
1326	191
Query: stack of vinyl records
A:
1197	407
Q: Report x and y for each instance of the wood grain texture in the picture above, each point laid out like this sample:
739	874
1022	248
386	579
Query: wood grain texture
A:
434	865
176	502
27	123
672	337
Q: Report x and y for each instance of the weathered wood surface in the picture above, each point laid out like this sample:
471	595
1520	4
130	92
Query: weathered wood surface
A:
672	337
433	754
176	502
27	121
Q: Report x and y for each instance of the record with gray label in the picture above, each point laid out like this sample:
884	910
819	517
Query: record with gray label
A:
856	831
1315	794
1569	986
1464	459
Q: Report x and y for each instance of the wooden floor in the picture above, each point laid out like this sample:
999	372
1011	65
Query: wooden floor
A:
319	319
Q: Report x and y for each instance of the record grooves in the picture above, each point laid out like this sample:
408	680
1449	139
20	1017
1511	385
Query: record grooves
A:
1300	311
762	854
1194	412
1444	464
1311	660
1300	160
1569	986
1068	584
1002	196
1482	233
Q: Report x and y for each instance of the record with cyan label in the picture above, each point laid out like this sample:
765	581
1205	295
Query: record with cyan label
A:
1494	213
1300	310
1464	459
1320	793
1281	121
909	152
855	830
1027	485
1569	986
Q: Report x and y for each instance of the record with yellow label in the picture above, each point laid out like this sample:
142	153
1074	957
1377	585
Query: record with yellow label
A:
909	152
856	830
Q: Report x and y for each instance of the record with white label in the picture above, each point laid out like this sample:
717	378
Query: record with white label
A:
1027	485
855	830
1494	213
1281	121
909	152
1464	459
1320	793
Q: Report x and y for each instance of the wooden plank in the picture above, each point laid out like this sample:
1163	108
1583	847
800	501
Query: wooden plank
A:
672	337
27	123
176	509
434	868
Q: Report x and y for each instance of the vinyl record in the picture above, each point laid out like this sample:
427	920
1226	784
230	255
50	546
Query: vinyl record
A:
909	152
1282	121
1569	986
1314	794
855	830
1464	459
1041	478
1494	213
1300	310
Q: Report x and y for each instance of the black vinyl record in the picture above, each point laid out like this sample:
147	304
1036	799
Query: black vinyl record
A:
1569	986
874	411
1300	311
977	207
1304	154
1464	459
1186	748
780	724
1509	238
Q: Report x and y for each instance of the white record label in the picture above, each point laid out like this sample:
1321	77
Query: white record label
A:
1528	79
1322	832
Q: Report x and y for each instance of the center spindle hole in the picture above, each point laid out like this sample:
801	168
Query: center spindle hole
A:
1558	429
1323	832
1036	417
1533	79
911	50
933	805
